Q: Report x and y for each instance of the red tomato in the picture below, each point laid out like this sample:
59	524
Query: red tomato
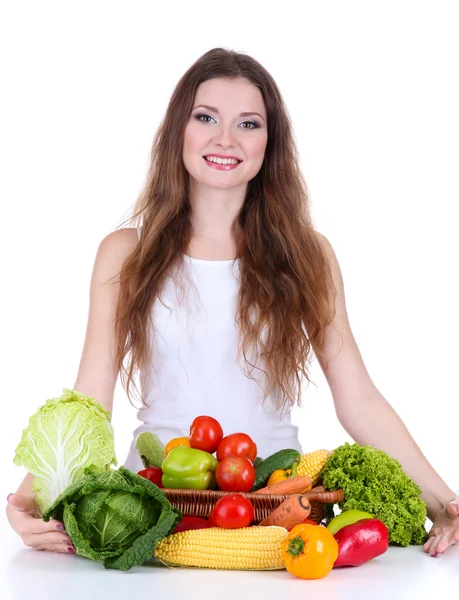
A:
237	444
205	434
232	512
211	519
235	474
153	474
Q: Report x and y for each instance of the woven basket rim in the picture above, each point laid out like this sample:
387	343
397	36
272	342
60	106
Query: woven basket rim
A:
316	494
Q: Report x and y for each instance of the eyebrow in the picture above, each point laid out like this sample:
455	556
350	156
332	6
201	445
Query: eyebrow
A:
215	110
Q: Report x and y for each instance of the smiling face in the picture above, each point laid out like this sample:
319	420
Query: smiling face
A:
224	122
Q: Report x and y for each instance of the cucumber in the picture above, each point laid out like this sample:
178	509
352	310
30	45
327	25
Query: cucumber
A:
283	459
257	462
150	449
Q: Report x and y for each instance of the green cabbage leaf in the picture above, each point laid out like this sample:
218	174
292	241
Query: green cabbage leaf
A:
376	483
115	517
66	436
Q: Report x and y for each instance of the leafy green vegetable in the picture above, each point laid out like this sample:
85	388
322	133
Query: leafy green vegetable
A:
115	517
376	483
65	436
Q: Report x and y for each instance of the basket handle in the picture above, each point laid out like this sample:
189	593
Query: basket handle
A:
319	494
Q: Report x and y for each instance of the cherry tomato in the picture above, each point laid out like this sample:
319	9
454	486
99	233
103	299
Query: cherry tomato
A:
205	434
235	474
237	444
153	474
232	512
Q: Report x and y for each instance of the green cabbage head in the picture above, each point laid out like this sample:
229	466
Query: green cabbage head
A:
115	517
65	436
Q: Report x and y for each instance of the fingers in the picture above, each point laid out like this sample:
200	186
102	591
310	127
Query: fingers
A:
29	527
36	533
40	526
53	541
438	543
431	545
62	548
23	503
25	525
452	508
35	540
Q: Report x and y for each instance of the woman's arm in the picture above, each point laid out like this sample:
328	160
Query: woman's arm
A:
362	410
97	373
96	378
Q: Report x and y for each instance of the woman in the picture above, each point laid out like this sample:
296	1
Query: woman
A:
232	218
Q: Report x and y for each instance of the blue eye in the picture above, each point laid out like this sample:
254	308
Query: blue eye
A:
198	117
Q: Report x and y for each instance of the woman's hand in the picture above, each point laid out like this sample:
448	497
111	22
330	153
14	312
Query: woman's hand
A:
24	517
445	529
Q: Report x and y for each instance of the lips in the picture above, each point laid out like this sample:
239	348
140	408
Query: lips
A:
223	156
221	167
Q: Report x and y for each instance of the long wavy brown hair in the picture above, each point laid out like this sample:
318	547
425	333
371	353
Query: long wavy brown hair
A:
285	276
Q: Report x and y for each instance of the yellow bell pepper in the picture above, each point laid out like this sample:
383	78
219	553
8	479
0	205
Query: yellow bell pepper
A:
281	474
310	551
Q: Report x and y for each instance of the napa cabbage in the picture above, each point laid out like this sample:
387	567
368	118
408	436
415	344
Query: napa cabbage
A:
65	437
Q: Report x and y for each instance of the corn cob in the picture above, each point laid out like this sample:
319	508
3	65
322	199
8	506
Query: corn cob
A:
312	464
247	548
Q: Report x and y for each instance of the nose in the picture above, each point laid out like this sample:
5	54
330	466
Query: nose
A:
224	137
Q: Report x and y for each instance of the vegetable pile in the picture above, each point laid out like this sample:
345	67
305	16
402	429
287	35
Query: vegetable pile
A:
206	459
374	482
122	519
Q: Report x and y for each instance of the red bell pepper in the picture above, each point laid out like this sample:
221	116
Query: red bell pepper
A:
360	542
309	522
153	474
189	522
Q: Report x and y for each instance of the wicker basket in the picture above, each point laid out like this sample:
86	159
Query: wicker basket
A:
199	503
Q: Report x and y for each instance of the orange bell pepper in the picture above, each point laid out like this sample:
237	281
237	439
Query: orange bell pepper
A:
178	441
310	551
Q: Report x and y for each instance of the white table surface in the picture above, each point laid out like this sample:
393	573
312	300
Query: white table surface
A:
407	573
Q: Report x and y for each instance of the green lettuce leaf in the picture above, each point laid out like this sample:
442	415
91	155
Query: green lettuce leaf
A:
65	436
115	517
376	483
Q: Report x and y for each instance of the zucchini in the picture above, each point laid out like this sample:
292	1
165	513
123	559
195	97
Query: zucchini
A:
150	449
283	459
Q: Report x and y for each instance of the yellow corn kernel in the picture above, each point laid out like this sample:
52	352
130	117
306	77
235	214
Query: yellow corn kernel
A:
313	463
247	548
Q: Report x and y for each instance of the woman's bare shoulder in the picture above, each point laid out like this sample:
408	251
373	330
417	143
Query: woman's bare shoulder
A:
113	250
120	243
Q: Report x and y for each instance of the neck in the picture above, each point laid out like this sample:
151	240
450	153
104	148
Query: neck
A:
213	211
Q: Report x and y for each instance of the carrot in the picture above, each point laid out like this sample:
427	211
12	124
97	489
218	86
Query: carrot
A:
293	511
291	485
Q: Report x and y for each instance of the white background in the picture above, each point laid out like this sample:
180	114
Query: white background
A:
371	88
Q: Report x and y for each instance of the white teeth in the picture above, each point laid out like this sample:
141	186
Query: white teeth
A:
222	161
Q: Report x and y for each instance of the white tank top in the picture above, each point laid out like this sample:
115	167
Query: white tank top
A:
195	369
